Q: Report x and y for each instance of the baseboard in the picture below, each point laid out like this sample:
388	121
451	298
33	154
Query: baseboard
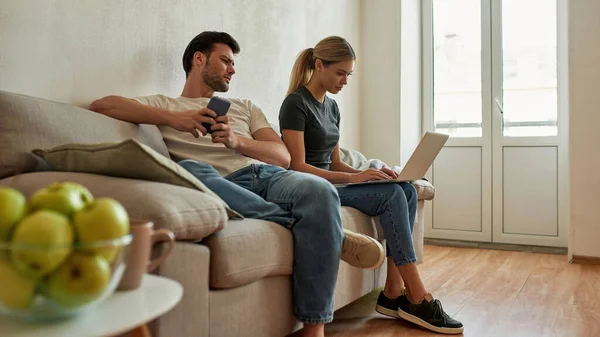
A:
579	259
496	246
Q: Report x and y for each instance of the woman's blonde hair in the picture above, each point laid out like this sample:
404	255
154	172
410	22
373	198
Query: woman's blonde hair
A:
330	50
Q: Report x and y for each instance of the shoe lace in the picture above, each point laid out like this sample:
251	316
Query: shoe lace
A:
350	246
438	311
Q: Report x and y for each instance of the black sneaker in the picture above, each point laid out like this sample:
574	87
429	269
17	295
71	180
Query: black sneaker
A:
388	306
428	314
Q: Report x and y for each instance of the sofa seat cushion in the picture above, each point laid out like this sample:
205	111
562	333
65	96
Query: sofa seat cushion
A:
248	250
190	214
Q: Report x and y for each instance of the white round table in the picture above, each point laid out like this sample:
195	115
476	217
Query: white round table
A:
120	313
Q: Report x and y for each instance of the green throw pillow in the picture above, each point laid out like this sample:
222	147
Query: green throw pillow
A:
126	159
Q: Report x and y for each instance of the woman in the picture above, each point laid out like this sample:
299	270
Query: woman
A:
310	123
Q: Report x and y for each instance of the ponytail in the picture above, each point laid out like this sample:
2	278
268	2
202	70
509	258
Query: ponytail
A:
330	50
302	70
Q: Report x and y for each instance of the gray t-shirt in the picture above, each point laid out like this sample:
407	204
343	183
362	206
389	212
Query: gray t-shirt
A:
320	122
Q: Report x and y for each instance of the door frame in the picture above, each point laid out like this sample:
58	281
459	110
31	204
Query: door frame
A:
491	176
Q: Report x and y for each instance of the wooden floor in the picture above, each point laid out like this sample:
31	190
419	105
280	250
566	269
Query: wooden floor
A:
493	293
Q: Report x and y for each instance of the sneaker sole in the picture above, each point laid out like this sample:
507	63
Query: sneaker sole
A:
416	320
386	312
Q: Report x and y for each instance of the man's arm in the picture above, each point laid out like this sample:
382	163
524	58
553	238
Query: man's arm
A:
129	110
265	146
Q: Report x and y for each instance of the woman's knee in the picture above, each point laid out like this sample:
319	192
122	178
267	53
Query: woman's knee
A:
404	193
393	190
411	193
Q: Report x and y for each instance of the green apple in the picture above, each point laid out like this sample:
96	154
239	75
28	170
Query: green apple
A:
104	219
80	280
41	242
13	206
63	197
16	291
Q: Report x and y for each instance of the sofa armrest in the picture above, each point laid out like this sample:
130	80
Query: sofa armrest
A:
425	190
188	264
188	213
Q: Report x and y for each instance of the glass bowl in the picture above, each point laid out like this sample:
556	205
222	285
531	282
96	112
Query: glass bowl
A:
40	282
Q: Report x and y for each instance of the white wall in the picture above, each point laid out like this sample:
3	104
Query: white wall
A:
380	58
391	87
584	79
74	51
410	78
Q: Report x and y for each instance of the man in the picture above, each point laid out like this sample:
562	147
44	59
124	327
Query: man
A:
244	161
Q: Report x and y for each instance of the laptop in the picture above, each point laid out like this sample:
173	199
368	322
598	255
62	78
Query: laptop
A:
418	163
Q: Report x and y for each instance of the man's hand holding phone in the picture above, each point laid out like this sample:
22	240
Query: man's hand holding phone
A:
221	130
202	120
222	133
192	121
219	106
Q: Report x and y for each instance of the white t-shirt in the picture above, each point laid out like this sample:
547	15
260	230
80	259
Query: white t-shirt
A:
245	119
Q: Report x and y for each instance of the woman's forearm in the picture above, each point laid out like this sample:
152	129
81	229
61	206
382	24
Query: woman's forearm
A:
343	167
331	176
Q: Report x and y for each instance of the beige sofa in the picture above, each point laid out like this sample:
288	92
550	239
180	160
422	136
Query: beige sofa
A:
235	273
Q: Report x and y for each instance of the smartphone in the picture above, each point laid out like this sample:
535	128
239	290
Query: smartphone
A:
220	106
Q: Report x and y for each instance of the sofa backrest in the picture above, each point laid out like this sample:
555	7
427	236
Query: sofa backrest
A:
27	123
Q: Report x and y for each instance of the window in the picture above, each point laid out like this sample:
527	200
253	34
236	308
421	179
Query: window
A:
521	44
457	67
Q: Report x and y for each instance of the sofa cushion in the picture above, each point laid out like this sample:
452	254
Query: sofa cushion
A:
126	159
27	123
359	222
248	250
190	214
353	158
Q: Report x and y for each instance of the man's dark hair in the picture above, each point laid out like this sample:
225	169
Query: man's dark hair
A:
205	43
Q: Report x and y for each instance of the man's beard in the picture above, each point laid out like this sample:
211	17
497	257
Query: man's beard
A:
214	80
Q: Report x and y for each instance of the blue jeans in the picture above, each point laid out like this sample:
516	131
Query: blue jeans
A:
396	204
305	203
